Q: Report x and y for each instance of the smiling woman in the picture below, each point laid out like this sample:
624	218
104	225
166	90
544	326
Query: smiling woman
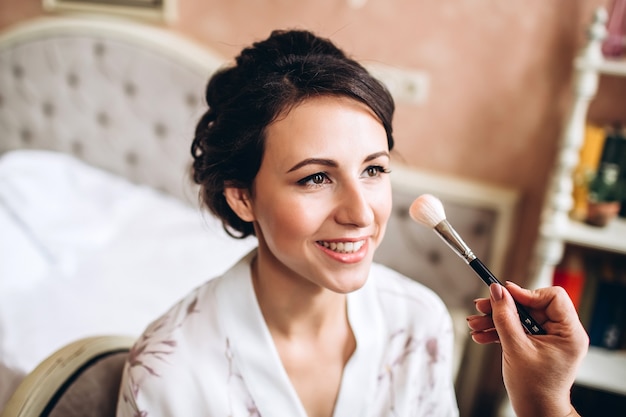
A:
318	193
295	149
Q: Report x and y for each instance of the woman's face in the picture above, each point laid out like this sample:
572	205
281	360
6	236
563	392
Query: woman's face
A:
322	196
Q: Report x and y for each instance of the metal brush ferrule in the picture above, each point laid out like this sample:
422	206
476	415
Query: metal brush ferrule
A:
452	238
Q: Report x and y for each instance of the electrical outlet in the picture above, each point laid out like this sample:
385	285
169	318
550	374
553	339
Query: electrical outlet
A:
410	86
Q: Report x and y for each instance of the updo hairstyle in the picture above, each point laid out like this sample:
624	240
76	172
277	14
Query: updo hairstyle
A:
268	79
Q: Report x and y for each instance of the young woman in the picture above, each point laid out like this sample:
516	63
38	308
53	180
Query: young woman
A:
295	150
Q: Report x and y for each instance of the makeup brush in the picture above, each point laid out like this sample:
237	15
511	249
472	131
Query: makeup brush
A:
428	211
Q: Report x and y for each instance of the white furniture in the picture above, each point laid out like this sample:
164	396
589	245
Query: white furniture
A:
602	369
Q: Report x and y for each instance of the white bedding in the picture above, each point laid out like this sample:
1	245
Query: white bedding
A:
85	252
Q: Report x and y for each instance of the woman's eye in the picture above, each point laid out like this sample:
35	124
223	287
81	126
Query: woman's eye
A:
318	178
375	170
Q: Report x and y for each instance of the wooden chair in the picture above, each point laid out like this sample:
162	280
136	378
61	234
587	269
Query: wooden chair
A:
80	379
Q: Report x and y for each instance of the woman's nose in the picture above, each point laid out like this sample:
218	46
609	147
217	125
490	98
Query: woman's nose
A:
354	206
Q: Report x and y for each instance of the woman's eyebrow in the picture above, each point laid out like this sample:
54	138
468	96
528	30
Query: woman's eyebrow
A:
333	164
377	155
314	161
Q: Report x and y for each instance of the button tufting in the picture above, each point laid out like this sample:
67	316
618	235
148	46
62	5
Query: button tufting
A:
191	100
26	136
131	158
48	109
130	89
72	80
402	212
480	229
18	71
77	148
103	119
160	130
99	49
434	257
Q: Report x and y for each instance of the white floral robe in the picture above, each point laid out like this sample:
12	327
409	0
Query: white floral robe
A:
212	355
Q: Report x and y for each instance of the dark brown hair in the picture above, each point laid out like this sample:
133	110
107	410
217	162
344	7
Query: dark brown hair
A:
268	79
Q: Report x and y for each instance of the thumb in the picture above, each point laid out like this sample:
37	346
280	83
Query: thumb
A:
505	318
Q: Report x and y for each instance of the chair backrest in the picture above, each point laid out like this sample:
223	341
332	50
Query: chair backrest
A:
80	379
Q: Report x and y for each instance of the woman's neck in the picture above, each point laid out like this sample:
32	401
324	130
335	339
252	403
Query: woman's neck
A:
311	332
296	308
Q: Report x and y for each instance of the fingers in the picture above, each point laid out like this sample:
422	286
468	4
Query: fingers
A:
554	301
483	330
549	306
505	318
559	316
480	323
483	305
486	337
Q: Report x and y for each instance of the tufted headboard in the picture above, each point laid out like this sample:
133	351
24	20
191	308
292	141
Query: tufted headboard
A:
125	97
120	95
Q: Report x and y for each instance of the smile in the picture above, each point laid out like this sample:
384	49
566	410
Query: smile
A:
343	247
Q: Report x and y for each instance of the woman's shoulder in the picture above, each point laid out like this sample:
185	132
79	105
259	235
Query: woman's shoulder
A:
202	298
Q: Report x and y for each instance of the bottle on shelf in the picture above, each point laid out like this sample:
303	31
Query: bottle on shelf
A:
622	183
613	45
607	326
588	159
604	189
570	274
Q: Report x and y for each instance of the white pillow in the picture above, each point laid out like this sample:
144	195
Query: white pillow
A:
92	253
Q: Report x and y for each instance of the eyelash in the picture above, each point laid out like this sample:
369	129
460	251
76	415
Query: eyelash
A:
379	169
306	181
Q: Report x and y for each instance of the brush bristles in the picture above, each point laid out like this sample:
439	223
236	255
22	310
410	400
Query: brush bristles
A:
427	210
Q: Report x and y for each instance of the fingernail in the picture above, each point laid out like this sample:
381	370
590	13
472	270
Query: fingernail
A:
496	291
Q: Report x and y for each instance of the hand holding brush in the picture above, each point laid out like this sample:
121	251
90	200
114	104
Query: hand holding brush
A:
538	372
428	211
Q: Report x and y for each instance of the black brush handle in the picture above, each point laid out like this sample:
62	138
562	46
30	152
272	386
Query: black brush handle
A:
527	320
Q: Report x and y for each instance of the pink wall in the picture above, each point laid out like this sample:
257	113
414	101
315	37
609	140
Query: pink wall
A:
499	71
500	74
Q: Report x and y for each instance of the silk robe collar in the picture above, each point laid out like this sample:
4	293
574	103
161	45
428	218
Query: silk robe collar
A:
260	364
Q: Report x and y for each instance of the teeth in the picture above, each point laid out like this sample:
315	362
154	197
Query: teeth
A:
344	247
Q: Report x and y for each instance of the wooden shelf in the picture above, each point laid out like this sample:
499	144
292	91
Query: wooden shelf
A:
603	369
610	238
606	66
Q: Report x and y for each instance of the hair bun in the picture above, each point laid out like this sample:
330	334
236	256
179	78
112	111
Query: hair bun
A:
281	50
285	47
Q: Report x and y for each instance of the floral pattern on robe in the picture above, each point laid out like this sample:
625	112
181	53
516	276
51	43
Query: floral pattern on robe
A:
212	355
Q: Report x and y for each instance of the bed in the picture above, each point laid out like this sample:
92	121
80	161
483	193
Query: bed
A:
100	230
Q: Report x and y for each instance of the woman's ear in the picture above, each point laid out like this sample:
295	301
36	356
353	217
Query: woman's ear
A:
239	201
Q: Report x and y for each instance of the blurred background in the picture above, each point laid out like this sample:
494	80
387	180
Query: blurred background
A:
498	74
